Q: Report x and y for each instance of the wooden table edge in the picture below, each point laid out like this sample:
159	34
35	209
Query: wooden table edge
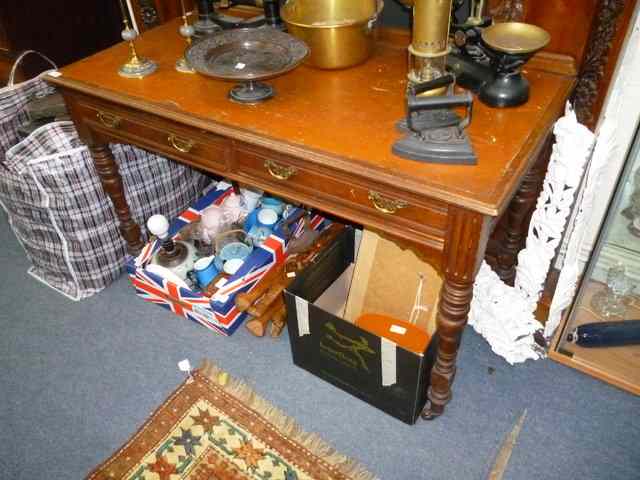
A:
553	112
406	183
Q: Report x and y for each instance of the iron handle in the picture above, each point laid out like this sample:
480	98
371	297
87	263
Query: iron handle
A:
417	104
434	103
280	172
439	82
386	205
183	145
109	120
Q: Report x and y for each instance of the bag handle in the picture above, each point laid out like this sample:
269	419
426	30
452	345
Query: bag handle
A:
18	61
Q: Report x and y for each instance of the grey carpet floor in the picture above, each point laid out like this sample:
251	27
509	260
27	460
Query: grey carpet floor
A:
77	379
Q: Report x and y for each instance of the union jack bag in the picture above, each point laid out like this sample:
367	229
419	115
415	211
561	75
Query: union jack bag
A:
60	214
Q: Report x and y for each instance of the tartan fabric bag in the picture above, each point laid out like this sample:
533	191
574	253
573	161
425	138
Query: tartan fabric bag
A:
61	215
13	100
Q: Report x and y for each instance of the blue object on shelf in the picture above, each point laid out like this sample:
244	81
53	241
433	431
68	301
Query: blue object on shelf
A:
232	250
205	270
273	203
259	234
267	217
251	220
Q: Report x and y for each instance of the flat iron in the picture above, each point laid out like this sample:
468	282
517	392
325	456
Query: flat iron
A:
434	132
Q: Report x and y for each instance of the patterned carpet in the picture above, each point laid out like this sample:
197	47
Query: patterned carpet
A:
216	428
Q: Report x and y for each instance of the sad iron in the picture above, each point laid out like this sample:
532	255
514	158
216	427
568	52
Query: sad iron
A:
434	132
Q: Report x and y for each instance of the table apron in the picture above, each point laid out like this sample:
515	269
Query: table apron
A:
420	222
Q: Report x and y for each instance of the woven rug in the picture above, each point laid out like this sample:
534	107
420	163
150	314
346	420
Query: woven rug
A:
216	428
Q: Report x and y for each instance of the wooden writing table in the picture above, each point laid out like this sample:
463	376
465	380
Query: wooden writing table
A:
325	141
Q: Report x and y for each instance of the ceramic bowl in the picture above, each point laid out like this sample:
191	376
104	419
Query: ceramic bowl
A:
272	203
267	217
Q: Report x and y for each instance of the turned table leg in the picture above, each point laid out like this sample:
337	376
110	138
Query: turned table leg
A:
467	235
517	225
112	183
517	217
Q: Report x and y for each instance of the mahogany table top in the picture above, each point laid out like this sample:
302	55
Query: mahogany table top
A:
342	118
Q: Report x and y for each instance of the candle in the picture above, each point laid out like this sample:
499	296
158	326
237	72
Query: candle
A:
125	15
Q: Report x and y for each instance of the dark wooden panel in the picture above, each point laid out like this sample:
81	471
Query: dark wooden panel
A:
6	62
568	21
65	31
601	55
151	13
4	39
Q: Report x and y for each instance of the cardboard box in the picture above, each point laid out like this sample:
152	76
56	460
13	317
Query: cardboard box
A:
370	367
373	290
218	313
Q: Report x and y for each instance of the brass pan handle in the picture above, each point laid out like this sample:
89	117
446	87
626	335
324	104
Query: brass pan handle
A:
183	145
109	120
386	205
279	171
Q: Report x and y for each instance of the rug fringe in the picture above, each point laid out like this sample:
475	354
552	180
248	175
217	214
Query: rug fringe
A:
285	424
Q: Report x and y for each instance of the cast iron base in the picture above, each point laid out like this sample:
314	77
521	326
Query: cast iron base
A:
441	145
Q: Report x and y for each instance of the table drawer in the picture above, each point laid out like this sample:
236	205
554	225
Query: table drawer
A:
190	145
380	202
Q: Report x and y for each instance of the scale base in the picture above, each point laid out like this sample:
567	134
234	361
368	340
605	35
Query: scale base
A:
441	145
505	91
251	92
138	69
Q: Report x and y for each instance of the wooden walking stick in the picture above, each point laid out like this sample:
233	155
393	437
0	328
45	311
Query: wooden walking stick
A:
246	299
275	291
258	325
266	300
279	321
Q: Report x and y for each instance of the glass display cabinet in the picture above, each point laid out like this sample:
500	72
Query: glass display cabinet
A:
600	333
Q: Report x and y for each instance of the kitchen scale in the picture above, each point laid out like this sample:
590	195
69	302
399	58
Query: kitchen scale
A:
491	64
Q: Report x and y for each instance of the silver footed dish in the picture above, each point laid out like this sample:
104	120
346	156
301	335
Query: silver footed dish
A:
246	54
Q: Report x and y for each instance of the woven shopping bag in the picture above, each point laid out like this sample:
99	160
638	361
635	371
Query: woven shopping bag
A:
13	100
58	209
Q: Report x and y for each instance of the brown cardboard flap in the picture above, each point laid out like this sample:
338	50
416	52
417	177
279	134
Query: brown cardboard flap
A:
386	281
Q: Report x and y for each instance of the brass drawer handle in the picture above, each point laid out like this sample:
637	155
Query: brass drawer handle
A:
183	145
109	120
386	205
279	171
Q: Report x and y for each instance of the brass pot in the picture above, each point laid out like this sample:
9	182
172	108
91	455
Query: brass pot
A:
339	33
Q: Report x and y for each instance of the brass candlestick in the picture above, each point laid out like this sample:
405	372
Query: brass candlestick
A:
136	66
187	31
476	15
